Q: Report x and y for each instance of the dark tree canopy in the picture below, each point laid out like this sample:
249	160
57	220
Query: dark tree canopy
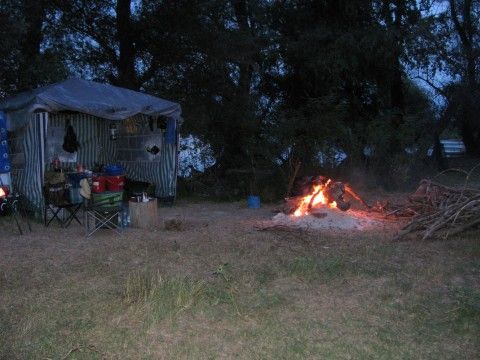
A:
269	83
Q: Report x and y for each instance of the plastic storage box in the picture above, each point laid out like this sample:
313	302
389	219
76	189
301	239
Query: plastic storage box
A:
108	199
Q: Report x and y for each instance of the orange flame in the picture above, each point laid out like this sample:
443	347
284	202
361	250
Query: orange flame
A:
315	198
2	192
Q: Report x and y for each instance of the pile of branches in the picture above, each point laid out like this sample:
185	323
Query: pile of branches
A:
436	210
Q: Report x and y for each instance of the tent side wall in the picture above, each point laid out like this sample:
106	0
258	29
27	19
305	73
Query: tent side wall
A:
92	134
129	150
135	136
27	148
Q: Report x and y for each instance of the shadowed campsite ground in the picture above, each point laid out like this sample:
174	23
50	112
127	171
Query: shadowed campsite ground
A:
214	287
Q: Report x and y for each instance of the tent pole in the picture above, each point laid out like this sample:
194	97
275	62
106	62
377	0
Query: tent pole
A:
177	151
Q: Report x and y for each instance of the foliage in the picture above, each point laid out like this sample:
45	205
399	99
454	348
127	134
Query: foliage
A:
266	84
448	48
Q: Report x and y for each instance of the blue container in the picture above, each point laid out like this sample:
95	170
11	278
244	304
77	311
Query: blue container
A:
124	217
253	202
75	197
114	170
75	178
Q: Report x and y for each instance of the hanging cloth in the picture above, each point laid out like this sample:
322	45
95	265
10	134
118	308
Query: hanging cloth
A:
70	142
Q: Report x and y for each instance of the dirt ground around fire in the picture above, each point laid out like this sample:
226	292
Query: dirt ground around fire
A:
209	285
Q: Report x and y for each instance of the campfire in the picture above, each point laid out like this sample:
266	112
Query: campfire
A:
323	204
321	195
324	192
3	192
432	211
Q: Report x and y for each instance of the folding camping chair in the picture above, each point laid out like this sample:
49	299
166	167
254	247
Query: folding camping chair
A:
102	214
56	203
16	206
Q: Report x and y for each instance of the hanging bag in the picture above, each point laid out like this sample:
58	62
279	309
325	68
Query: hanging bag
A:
70	142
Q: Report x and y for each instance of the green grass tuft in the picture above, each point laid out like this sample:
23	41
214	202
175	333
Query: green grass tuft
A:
467	301
304	267
328	268
165	297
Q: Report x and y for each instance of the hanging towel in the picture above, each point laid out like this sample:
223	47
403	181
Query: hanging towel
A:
171	133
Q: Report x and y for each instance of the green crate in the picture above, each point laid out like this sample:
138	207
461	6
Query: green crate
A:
108	199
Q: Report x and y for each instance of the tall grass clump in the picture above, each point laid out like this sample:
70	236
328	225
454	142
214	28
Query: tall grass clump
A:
164	297
467	305
310	269
304	267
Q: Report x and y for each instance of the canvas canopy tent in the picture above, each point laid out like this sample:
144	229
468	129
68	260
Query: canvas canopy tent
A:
37	120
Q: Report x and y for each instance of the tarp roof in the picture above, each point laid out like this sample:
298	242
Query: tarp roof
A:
89	97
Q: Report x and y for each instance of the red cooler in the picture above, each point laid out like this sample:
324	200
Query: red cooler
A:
115	183
98	183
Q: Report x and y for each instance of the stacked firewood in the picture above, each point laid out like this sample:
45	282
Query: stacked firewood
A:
436	210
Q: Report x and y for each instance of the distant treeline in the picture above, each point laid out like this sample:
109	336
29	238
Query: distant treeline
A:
270	84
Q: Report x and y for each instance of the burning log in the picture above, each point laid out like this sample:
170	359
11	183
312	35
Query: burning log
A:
335	193
313	197
357	197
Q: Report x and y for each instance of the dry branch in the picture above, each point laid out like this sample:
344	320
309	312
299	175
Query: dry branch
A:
440	211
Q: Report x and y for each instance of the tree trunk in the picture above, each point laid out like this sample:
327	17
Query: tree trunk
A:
246	71
469	127
125	34
34	14
396	90
438	153
397	98
465	31
393	20
236	150
468	118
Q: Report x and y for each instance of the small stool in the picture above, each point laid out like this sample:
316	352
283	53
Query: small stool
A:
143	215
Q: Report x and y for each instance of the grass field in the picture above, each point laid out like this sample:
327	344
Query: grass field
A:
218	289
